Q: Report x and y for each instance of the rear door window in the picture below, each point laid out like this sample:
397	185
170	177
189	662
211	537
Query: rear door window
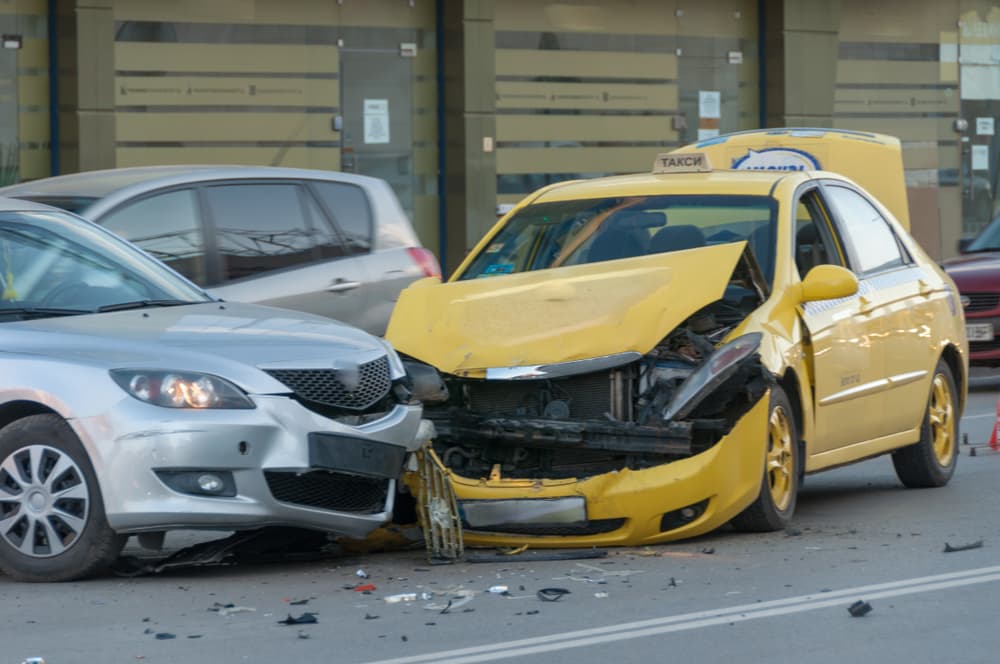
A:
348	205
874	245
166	225
260	227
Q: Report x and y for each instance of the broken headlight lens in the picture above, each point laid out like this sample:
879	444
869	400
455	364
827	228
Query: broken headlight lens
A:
718	368
180	389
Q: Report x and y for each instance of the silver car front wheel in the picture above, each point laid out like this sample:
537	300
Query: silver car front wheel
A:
52	523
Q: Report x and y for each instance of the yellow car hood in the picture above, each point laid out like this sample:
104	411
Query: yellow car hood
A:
558	315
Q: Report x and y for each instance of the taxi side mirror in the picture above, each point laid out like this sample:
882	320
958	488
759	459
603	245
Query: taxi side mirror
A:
828	282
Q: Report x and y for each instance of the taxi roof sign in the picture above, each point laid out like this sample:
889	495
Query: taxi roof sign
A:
688	162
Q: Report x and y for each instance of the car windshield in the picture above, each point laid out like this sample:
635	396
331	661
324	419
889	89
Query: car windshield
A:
55	264
552	235
988	240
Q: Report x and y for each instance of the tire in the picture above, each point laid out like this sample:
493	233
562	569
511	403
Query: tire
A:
779	487
931	461
52	521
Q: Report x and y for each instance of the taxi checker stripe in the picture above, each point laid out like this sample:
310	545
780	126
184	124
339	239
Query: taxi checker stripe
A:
698	619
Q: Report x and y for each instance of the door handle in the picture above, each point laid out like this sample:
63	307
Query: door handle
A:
342	285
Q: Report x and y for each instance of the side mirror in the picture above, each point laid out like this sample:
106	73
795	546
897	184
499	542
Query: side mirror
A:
963	244
828	282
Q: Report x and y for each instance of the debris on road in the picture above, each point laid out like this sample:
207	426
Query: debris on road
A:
305	619
361	574
535	556
552	594
498	590
601	595
401	597
456	598
948	548
364	588
164	636
859	609
229	609
303	634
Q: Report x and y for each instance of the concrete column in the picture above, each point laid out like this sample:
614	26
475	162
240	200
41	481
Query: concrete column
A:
470	120
86	33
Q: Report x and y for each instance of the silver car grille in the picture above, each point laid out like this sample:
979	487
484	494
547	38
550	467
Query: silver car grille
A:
323	386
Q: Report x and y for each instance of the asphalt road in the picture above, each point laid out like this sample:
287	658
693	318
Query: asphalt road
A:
858	535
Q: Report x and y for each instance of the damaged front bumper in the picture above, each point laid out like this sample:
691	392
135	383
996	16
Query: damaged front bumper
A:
674	500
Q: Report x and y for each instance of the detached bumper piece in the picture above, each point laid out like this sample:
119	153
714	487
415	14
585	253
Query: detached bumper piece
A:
438	510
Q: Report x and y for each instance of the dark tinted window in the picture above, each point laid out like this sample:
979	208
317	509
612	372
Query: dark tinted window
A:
351	212
259	227
875	245
167	226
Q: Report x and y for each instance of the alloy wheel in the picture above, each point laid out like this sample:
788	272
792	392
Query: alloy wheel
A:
941	417
780	459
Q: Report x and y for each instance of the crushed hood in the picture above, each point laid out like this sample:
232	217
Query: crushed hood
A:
560	314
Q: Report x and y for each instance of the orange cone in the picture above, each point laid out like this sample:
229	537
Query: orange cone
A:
994	443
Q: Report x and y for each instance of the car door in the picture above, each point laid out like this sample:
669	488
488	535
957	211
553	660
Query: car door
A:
167	224
274	247
901	301
842	346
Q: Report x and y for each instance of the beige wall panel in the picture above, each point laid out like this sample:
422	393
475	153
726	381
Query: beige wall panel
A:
34	54
425	127
636	16
425	94
584	128
425	64
387	13
908	21
34	164
250	58
922	157
425	221
224	127
33	127
925	220
224	90
324	158
949	202
37	7
185	10
601	96
906	129
425	161
892	101
882	71
531	62
574	160
719	18
33	91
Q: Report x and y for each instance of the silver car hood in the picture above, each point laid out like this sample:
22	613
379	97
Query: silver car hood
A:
231	340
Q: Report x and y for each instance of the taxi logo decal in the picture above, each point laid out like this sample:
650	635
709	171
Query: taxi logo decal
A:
776	159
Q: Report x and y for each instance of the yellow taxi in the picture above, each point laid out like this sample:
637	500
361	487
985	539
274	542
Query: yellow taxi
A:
642	358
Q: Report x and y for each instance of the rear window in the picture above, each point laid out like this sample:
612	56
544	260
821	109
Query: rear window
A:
74	204
552	235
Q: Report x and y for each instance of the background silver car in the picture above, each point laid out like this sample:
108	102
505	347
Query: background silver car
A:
132	402
332	244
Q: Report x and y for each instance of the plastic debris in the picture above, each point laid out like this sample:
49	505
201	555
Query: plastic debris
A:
708	550
299	602
34	660
426	596
948	548
369	616
303	634
163	636
497	590
552	594
361	574
601	595
364	588
230	610
859	609
535	556
456	599
401	597
194	636
305	619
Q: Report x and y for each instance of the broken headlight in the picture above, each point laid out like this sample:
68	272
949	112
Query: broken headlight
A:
719	367
180	389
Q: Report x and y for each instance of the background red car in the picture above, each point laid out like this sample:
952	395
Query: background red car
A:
977	274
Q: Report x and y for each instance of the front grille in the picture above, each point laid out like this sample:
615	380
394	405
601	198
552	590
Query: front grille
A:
329	491
324	386
982	301
589	396
592	527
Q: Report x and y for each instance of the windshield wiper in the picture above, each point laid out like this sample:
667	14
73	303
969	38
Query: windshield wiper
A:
42	312
141	304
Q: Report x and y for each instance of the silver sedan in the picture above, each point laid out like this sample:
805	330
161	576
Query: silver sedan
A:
133	402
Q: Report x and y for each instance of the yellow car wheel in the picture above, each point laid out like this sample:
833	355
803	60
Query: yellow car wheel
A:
931	461
775	504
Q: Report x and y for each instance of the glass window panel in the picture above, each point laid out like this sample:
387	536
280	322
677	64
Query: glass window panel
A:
875	245
351	212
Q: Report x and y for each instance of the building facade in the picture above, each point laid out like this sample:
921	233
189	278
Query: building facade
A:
466	104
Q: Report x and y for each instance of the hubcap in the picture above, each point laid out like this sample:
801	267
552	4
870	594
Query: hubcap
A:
780	459
44	501
941	416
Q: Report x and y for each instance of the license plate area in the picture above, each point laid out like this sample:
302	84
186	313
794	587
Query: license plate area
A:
979	331
351	454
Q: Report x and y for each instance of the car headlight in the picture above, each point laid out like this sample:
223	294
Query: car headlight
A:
180	389
717	368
